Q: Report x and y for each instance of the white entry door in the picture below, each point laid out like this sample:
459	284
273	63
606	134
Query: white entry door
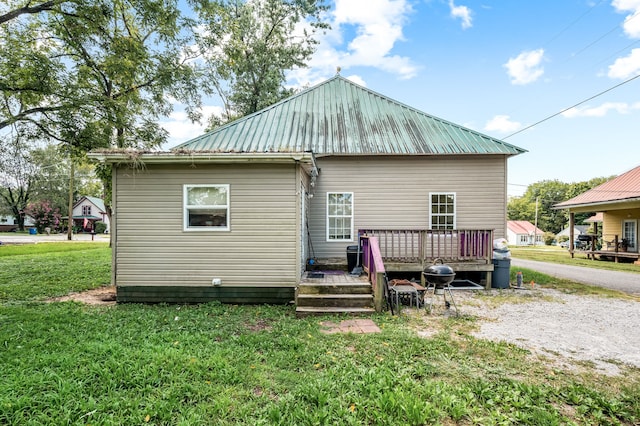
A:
630	233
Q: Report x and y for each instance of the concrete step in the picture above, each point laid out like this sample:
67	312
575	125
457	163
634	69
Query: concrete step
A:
303	311
336	300
335	288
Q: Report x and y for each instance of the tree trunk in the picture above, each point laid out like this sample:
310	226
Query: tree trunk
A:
70	221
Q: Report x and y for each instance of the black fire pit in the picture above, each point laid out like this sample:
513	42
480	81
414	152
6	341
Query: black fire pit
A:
438	277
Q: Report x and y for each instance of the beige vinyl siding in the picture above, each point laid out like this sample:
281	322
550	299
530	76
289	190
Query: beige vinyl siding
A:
393	192
152	249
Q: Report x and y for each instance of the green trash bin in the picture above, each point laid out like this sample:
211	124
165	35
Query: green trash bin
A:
501	271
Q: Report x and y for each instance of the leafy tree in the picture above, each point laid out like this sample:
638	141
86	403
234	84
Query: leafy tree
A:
44	215
52	180
97	73
249	45
27	8
546	194
93	74
17	175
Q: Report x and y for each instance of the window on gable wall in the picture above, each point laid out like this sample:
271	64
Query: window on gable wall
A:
340	216
206	207
86	210
443	210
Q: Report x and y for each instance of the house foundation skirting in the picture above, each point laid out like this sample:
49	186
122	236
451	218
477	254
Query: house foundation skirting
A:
182	294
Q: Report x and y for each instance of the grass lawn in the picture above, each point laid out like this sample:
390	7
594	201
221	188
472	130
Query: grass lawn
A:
555	254
68	363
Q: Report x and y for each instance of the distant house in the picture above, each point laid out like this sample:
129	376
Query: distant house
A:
237	214
524	233
89	210
618	202
9	223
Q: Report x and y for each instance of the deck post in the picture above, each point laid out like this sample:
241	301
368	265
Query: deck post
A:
378	293
572	221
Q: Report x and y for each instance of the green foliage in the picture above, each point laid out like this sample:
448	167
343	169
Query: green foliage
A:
250	45
549	238
44	216
546	194
17	176
100	227
108	70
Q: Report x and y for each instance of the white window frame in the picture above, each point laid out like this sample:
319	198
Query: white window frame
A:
432	215
86	210
330	216
186	207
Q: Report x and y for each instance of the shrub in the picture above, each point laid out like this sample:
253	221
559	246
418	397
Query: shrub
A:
100	227
548	238
44	216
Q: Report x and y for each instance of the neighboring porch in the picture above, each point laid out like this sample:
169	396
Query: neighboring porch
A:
616	249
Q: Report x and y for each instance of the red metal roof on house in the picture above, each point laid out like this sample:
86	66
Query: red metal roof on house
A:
624	187
523	227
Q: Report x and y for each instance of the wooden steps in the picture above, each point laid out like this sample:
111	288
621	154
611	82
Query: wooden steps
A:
340	294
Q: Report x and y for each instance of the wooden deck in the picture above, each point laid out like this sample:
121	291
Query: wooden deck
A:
332	277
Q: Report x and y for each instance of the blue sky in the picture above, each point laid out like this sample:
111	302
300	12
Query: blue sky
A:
496	67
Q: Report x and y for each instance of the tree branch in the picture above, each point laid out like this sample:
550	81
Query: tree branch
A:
42	7
23	115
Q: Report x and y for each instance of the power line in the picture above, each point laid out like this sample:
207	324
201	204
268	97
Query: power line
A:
575	21
573	106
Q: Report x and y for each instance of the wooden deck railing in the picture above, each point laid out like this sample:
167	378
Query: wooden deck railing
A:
420	245
374	267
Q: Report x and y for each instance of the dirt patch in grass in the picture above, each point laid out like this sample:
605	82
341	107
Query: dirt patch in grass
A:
98	296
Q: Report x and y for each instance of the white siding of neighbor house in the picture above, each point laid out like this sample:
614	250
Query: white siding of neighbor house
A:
393	193
152	249
95	211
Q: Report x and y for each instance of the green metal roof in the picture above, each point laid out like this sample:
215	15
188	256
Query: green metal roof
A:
339	117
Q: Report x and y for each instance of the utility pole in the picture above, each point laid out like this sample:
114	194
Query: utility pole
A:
535	226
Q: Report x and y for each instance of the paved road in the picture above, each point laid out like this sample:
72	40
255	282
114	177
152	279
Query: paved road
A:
15	238
623	281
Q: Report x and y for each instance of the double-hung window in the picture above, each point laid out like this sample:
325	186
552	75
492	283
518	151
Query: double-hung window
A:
443	211
206	207
86	210
340	216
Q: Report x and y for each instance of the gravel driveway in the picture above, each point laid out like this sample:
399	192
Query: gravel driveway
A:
569	328
565	328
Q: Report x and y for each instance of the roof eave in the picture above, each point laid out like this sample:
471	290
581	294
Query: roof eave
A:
596	204
201	157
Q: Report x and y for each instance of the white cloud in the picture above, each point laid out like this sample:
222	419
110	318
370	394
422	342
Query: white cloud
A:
602	110
357	80
631	23
626	67
525	68
502	124
376	25
181	129
461	12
